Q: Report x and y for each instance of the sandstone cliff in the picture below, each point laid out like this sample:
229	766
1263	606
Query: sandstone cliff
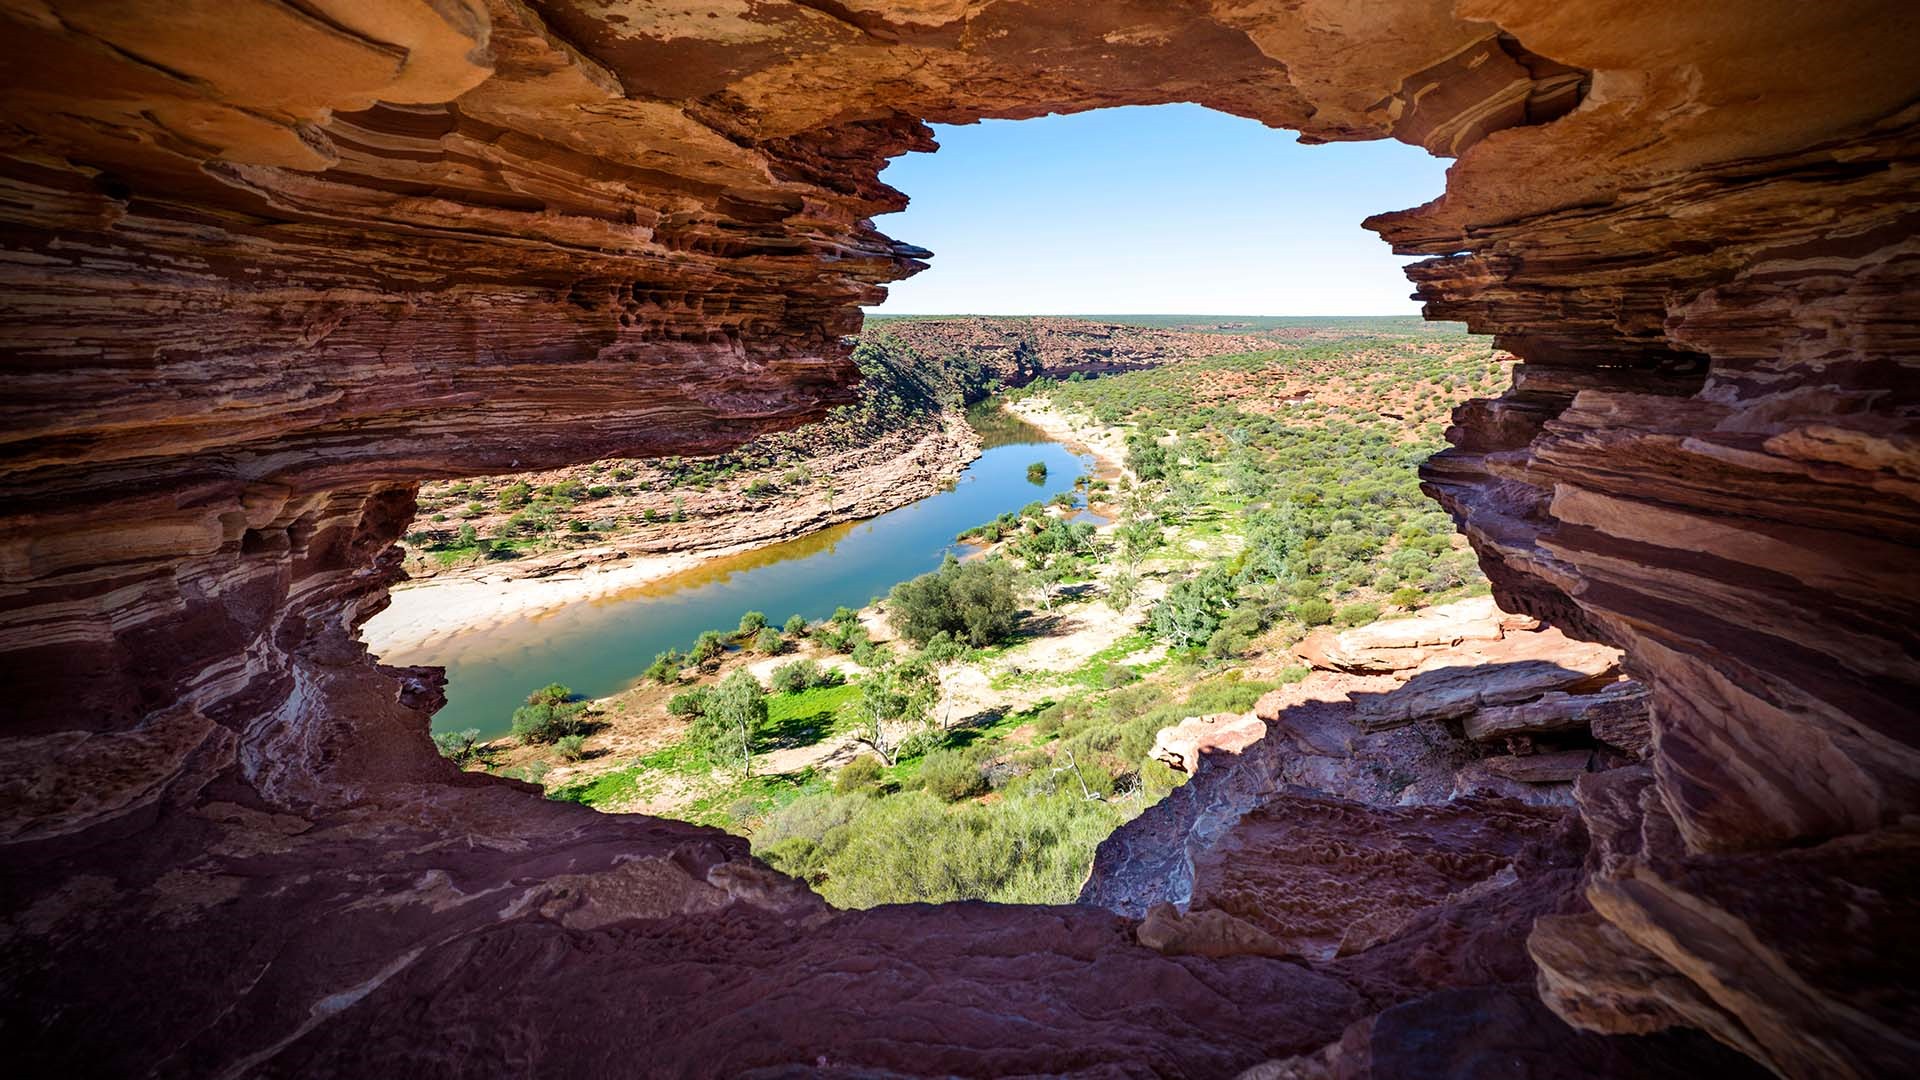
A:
268	265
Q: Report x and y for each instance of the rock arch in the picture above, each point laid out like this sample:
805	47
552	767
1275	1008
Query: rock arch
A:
269	264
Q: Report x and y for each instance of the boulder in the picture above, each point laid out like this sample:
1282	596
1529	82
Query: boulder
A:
1461	682
1404	644
1618	705
1181	745
1208	932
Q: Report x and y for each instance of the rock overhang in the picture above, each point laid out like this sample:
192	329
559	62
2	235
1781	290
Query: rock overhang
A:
269	264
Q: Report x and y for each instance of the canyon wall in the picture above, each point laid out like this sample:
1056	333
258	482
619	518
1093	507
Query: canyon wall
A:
268	265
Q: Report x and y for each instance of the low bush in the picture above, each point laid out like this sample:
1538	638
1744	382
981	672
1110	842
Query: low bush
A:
752	623
797	675
711	645
459	747
571	747
1357	614
769	641
689	702
952	775
1314	612
859	774
796	626
665	667
842	637
550	715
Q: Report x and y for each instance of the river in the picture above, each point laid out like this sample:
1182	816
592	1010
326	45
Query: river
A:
599	647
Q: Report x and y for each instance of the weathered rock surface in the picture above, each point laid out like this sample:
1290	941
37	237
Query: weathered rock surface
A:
1561	766
1312	736
1620	709
1403	644
267	265
1518	668
1675	934
1181	745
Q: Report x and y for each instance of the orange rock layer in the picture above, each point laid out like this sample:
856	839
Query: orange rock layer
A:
267	265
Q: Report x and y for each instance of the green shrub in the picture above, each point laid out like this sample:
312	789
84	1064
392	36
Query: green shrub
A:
571	747
752	623
796	626
941	649
459	747
689	702
952	775
1192	609
550	694
711	645
1409	598
843	637
1314	612
730	715
665	667
859	774
550	715
769	641
1357	614
797	675
1134	701
1037	472
973	601
1027	849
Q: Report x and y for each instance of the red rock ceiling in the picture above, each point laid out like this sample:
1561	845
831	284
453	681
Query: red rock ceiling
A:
268	264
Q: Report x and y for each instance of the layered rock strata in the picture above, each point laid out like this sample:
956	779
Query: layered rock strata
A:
1402	861
266	265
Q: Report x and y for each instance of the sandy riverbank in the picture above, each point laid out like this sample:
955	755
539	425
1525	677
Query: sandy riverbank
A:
1079	433
465	599
430	611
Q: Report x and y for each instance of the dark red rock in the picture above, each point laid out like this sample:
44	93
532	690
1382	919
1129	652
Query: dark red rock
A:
266	266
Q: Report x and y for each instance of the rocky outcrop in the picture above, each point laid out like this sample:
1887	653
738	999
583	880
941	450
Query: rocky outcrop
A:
268	265
1519	668
1399	860
1618	708
1319	735
1182	745
1402	644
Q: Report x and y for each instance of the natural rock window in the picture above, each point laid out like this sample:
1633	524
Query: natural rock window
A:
268	266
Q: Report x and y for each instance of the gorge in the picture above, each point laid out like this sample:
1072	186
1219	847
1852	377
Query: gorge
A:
269	266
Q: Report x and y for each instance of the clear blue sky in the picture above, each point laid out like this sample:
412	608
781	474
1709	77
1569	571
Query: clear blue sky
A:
1165	209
